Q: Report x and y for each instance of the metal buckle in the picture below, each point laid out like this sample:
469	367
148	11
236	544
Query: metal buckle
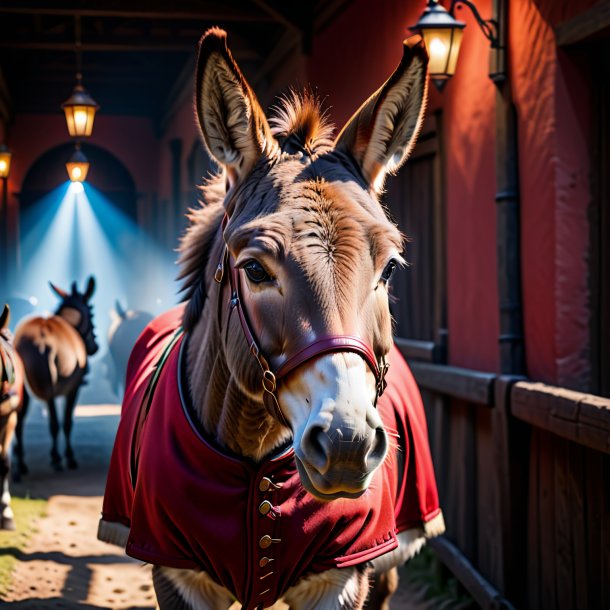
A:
382	384
269	383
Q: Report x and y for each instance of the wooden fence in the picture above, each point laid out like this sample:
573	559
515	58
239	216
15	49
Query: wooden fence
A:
523	471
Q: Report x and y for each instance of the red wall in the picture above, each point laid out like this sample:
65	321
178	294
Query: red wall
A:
551	95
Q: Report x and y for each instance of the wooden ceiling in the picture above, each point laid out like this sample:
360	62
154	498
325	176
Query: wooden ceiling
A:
134	51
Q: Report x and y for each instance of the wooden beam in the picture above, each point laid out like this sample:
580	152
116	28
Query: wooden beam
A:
471	386
286	44
277	15
579	417
204	15
411	349
485	594
585	25
121	47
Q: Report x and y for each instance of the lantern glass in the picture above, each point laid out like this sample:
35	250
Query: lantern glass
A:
77	166
80	109
443	46
5	162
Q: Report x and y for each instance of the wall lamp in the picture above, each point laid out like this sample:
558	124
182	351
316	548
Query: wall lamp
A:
77	165
5	161
442	33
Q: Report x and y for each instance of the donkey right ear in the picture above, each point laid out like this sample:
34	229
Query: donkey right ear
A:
62	294
233	126
5	316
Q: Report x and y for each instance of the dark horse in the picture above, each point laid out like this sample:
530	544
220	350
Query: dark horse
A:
11	397
54	351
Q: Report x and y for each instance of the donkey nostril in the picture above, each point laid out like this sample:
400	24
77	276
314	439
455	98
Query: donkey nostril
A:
379	449
315	447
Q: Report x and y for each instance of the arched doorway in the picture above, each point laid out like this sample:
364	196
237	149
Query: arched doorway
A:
107	174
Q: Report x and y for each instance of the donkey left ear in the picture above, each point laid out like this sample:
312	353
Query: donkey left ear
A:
382	133
5	316
90	288
232	123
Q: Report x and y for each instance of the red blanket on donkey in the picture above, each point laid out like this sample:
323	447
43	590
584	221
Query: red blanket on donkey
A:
187	504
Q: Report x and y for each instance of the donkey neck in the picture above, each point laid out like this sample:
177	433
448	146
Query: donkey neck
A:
235	420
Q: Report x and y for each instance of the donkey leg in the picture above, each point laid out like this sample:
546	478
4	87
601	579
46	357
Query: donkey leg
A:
54	429
19	452
383	587
7	521
68	416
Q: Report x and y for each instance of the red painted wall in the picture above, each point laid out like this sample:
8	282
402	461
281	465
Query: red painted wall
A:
551	95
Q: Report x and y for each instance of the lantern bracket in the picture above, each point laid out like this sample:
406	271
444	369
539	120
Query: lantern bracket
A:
489	27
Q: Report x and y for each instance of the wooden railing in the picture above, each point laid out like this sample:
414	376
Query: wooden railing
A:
524	482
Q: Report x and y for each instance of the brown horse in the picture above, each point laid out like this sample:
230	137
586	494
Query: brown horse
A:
54	351
11	397
286	335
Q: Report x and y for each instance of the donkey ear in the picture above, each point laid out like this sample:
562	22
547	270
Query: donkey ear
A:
74	288
90	288
5	316
382	133
119	309
233	125
62	294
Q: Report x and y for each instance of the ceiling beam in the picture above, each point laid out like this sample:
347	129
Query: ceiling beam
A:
134	46
277	15
202	15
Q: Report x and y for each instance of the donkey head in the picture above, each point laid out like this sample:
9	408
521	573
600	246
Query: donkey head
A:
309	254
77	311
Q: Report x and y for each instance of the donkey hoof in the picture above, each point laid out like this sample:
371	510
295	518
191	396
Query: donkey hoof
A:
72	463
8	524
56	465
23	469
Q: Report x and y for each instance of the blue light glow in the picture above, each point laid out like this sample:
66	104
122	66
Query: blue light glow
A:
75	232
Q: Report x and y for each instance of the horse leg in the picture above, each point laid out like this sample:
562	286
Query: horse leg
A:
19	451
54	429
68	416
383	587
7	521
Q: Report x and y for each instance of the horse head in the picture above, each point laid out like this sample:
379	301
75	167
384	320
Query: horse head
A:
77	311
303	253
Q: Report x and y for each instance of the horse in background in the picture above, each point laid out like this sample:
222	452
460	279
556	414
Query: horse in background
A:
125	328
54	350
11	400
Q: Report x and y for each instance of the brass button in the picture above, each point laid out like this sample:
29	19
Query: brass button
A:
265	484
264	507
264	561
266	541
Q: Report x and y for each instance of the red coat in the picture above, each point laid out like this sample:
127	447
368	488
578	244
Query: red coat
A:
197	507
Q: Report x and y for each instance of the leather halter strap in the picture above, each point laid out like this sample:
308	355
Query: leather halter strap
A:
322	345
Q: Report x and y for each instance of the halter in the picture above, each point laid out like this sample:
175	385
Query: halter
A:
323	345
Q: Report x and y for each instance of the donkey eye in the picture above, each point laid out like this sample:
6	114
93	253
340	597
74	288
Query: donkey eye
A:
388	271
256	272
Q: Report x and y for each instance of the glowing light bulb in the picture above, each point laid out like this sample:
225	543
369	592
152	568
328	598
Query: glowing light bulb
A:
80	120
2	166
77	172
438	47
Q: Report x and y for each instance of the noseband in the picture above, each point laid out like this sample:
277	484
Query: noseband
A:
322	345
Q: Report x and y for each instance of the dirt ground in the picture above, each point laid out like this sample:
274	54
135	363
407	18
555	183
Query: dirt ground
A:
64	565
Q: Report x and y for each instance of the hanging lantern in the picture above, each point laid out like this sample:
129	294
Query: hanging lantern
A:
77	165
442	34
5	161
80	109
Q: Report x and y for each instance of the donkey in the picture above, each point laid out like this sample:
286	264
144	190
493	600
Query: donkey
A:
125	328
11	398
54	351
265	454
